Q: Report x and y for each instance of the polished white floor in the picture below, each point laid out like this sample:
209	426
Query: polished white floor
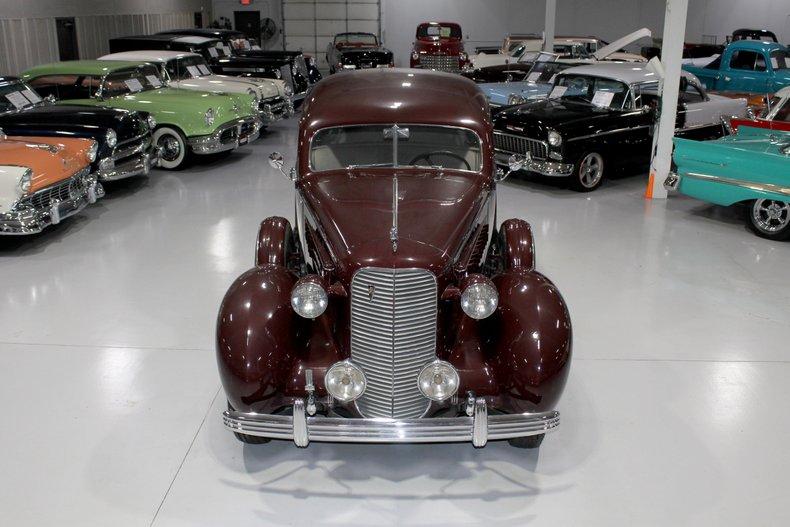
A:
675	412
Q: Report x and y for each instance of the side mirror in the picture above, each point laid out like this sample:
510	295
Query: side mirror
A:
277	161
515	163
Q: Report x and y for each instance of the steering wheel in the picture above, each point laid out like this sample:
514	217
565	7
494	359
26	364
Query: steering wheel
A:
427	156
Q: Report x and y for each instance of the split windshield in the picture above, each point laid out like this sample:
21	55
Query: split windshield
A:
17	96
438	32
127	82
417	145
187	68
594	91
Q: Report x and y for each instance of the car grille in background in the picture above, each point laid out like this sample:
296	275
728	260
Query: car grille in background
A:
288	77
131	147
277	104
301	66
514	144
67	189
393	335
440	62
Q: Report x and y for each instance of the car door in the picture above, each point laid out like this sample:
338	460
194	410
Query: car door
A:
746	71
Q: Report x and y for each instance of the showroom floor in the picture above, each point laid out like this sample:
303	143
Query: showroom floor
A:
674	413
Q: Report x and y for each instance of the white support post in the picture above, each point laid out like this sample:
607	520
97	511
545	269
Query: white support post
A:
671	59
548	32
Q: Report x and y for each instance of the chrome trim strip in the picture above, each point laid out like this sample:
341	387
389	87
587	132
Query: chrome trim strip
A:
757	187
480	423
517	137
609	132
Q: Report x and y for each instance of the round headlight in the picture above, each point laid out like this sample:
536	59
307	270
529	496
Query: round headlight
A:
151	122
415	55
111	138
92	151
25	182
438	381
209	117
312	61
555	139
344	381
515	98
479	299
309	299
288	91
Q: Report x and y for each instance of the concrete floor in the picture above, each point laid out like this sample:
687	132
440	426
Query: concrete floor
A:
674	414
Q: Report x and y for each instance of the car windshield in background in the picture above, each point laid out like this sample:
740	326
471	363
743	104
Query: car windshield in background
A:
439	32
545	72
187	68
595	91
780	59
418	145
358	39
17	96
131	81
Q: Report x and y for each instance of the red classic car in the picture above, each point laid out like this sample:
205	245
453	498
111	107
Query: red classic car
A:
439	46
394	309
774	116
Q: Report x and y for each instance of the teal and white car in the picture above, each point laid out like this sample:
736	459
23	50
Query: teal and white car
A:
751	167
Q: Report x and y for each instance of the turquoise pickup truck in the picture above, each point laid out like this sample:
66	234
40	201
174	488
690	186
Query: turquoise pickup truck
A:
746	66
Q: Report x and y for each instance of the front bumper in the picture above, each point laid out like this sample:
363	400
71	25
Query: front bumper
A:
51	205
228	136
539	166
477	428
276	109
139	164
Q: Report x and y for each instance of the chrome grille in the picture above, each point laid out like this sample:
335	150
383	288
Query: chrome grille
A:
301	66
440	62
131	147
515	144
67	189
276	104
288	77
393	335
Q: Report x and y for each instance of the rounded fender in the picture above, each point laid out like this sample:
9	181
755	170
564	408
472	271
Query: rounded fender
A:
534	341
517	244
255	329
275	239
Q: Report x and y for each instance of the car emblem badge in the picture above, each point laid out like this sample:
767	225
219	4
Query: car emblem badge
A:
371	290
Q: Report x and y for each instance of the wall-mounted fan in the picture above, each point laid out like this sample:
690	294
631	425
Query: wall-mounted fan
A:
268	29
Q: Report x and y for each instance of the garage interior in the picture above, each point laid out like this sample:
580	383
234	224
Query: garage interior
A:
673	413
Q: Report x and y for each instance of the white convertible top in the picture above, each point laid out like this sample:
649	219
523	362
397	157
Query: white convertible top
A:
148	55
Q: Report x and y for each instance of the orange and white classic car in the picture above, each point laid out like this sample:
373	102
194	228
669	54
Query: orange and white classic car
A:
44	180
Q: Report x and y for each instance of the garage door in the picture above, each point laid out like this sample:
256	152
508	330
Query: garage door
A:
310	25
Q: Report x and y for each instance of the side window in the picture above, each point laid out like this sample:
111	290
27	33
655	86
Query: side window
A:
89	86
172	69
747	60
784	112
691	94
61	86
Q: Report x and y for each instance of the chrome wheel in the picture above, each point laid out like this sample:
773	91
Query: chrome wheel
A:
171	147
770	216
591	170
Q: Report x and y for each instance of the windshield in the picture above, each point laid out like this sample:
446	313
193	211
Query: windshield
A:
16	96
418	145
780	60
187	68
436	32
356	39
545	72
595	91
571	51
136	80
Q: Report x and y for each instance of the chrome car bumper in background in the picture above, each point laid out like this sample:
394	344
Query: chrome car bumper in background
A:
229	136
275	109
672	181
479	428
51	205
539	166
139	163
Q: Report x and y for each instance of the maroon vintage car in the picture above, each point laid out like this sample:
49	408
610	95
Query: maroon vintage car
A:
394	309
439	46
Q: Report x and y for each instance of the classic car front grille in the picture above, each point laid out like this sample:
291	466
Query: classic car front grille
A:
515	144
440	62
67	189
131	147
393	335
277	105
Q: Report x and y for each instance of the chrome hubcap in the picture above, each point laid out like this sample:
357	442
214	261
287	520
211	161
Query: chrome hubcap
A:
591	170
171	148
771	216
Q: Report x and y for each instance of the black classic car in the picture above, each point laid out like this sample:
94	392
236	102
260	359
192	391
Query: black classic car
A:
599	117
125	147
356	51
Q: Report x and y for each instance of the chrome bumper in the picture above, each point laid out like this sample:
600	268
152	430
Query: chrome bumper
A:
276	110
539	166
138	165
479	428
26	219
229	136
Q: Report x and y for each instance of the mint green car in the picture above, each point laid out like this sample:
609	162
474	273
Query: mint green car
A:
751	167
200	122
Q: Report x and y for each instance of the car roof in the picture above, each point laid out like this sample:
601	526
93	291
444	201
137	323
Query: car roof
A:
445	24
204	32
192	39
758	45
148	55
627	72
80	67
407	96
146	37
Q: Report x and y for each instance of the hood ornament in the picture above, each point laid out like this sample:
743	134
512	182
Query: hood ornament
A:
395	133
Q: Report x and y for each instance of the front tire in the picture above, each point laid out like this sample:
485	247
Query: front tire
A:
528	442
770	219
588	173
248	439
173	146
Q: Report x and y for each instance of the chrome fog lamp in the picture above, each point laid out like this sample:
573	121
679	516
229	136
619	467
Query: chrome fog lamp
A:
92	151
151	122
25	182
555	139
480	298
438	380
344	381
111	138
209	117
308	298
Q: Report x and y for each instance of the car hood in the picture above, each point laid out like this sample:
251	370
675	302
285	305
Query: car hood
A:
228	84
51	159
439	47
172	100
499	92
536	118
354	211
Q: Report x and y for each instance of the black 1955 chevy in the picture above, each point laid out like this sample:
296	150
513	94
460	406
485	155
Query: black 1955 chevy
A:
357	51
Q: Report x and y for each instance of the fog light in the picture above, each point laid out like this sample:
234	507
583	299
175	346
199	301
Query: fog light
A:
438	381
344	381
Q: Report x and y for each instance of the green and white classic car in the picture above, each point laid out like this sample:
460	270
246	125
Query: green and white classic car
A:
751	167
186	120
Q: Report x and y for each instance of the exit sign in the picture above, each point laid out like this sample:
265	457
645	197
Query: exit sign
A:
245	2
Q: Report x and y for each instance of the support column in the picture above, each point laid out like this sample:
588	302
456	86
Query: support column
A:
548	32
671	59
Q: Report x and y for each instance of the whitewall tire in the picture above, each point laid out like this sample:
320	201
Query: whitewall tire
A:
172	147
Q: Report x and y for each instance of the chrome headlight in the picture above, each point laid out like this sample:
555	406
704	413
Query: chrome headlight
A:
308	298
288	91
438	381
515	98
92	151
23	187
344	381
111	138
312	61
480	298
278	74
151	122
415	55
209	117
555	139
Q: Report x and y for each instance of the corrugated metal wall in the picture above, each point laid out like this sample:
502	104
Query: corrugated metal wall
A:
25	42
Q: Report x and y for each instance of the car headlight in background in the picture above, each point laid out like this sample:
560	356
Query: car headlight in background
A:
463	56
92	151
349	66
438	381
480	298
555	139
312	61
111	138
415	55
209	117
151	122
25	182
308	298
278	74
344	381
515	98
